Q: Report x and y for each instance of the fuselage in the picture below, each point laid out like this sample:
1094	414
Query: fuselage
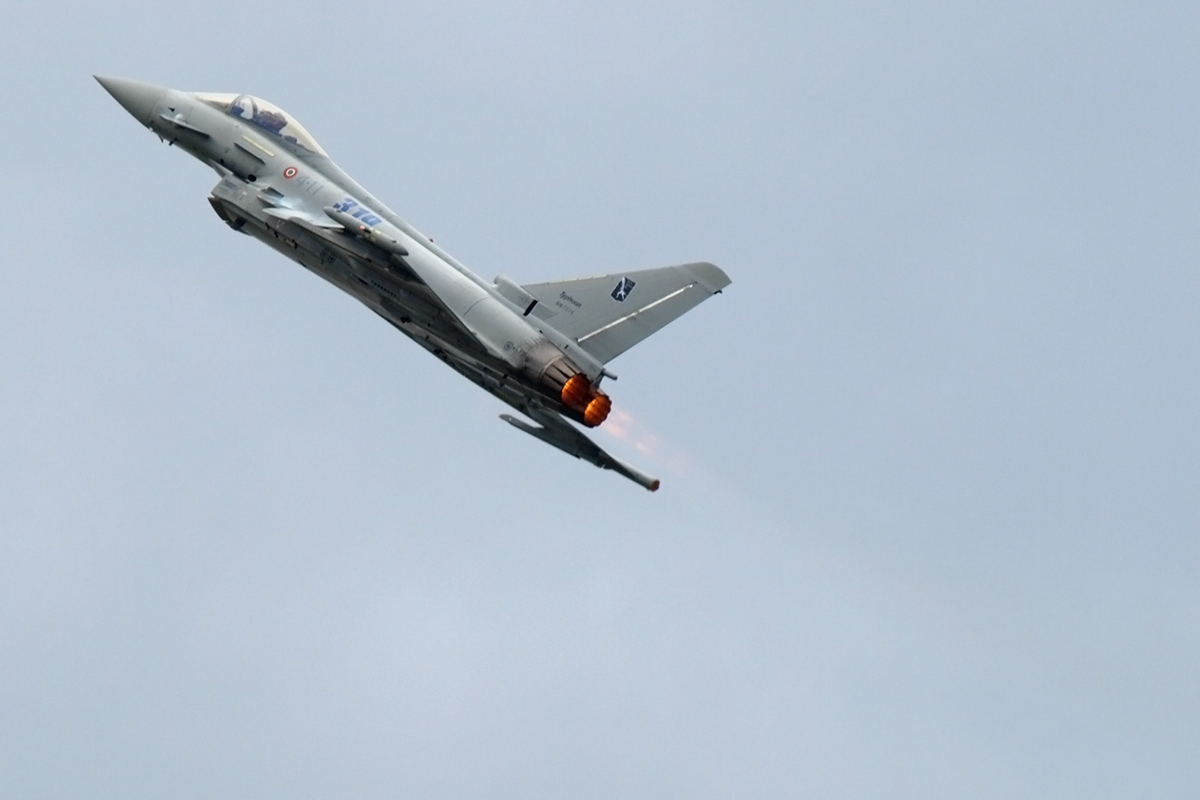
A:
277	185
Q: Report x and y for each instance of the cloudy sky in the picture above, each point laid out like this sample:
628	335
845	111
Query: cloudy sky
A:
930	516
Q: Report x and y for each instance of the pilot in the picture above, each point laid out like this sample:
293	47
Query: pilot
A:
246	108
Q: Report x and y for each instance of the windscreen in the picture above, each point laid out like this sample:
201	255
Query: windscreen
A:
267	116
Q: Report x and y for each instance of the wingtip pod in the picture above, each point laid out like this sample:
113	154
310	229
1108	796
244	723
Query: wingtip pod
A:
557	432
634	474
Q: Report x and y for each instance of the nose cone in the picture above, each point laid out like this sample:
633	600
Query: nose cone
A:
136	97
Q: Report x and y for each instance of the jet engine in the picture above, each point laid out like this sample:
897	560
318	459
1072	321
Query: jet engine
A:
579	394
555	372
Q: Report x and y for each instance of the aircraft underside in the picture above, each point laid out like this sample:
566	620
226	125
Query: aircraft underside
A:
542	348
406	304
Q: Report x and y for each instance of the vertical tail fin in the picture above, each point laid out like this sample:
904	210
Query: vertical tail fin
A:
608	314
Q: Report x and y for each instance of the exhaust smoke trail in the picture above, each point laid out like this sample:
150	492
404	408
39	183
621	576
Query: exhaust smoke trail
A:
622	426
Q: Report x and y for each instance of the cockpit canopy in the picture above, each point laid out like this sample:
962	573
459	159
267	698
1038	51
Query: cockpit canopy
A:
267	116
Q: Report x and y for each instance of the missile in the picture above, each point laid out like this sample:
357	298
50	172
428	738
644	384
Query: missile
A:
366	232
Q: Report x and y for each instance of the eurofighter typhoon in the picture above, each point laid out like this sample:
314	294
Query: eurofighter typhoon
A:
542	348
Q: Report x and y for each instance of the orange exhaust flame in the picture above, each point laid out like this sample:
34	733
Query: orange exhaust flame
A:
576	391
597	410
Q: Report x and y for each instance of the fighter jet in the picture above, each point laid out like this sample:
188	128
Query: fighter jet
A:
542	348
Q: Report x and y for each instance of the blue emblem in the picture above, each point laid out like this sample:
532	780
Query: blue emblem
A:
622	290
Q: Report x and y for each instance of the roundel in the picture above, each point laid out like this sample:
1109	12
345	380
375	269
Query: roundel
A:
290	173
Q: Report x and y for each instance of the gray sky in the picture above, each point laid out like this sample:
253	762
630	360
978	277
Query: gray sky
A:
928	524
